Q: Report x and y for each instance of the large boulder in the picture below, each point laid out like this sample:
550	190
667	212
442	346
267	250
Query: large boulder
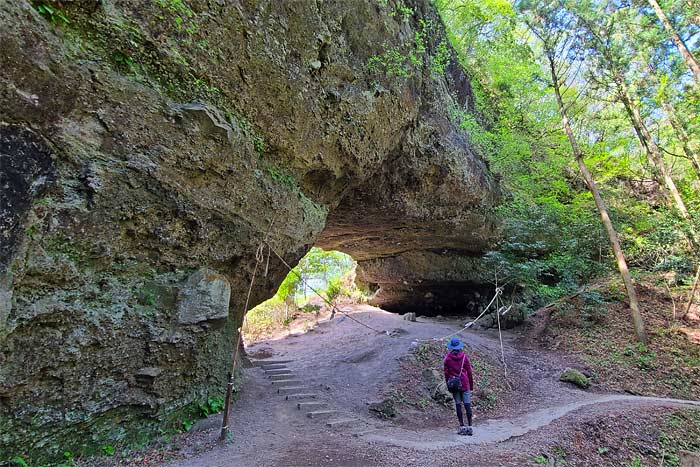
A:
149	150
204	297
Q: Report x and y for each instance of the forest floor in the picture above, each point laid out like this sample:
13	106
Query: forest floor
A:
386	388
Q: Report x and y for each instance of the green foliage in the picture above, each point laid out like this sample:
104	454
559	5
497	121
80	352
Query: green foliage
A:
328	272
553	241
402	10
391	63
20	461
541	460
334	290
53	13
211	406
108	450
310	308
32	230
123	59
289	285
640	354
419	38
401	62
182	15
594	309
187	424
280	176
679	432
259	144
439	61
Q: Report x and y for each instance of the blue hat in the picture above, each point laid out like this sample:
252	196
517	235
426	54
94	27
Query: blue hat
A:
455	344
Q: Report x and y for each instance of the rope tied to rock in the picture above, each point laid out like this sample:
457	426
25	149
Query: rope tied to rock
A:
260	258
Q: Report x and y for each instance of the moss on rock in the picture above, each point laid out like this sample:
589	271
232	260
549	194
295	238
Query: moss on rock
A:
575	377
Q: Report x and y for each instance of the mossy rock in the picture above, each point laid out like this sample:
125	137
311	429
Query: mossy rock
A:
575	377
384	409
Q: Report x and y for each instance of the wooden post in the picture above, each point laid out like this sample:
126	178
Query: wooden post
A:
229	393
227	407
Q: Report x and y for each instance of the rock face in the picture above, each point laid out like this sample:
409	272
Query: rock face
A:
204	297
148	149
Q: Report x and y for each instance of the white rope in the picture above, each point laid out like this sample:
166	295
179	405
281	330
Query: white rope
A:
328	302
500	338
499	291
334	308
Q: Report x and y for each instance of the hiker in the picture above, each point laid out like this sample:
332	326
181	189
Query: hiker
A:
460	382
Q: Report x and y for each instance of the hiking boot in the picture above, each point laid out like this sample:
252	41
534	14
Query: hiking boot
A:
468	431
462	430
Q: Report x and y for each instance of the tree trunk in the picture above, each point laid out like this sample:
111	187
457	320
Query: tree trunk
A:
602	210
682	48
682	136
692	293
652	150
677	125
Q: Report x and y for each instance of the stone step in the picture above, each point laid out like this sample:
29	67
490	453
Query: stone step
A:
281	377
281	371
322	413
340	422
292	389
311	405
269	362
286	382
275	366
292	397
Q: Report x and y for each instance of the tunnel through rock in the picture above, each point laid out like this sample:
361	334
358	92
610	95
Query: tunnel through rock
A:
414	251
320	277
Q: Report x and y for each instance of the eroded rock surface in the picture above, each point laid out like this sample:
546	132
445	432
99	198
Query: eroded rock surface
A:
148	148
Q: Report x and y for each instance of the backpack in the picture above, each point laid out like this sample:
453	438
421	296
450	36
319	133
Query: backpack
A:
454	384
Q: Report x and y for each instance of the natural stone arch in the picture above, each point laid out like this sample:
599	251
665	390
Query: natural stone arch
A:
161	189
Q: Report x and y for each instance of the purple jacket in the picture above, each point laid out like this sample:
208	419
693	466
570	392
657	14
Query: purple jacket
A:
452	363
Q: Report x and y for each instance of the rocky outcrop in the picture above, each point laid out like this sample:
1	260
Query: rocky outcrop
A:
148	148
204	297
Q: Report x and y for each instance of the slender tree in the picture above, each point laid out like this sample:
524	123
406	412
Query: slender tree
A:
688	57
647	141
611	55
549	42
602	210
674	120
682	135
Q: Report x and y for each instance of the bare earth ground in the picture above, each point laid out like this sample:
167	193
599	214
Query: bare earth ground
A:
598	336
541	421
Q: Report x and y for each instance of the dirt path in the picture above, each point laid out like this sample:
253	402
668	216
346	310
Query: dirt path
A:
496	431
345	366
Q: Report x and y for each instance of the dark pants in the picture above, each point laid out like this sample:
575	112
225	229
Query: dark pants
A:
463	397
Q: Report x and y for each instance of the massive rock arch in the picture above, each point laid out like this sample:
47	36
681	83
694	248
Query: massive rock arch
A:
147	147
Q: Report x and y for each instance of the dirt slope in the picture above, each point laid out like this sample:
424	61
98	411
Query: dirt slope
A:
347	364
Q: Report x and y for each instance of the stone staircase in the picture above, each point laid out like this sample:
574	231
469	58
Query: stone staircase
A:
307	401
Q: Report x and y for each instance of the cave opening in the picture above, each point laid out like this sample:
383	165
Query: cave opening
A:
320	278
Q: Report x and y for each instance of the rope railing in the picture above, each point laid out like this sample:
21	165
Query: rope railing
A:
260	258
